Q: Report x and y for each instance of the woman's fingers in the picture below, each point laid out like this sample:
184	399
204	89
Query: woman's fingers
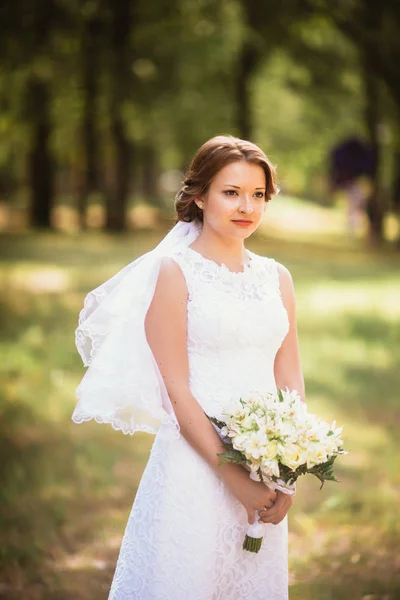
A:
276	514
266	505
269	501
278	511
250	515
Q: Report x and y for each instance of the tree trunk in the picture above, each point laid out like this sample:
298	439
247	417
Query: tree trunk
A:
117	204
247	62
375	210
150	174
89	175
395	204
40	163
121	77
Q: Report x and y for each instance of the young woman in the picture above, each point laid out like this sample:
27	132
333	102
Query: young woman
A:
173	338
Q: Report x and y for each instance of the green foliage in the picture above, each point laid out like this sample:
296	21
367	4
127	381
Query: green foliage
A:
216	421
323	472
306	90
232	455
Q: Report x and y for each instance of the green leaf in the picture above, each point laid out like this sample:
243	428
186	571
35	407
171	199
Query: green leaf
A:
216	422
259	472
232	456
324	472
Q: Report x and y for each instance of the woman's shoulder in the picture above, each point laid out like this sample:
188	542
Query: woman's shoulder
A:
285	275
175	262
285	283
171	278
279	273
273	264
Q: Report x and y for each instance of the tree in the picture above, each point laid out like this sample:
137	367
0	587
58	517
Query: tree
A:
120	78
373	29
27	34
92	34
40	162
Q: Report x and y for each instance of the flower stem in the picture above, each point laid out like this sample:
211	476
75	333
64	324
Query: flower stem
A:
252	544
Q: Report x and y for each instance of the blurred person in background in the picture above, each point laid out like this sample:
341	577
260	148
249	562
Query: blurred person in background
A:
352	169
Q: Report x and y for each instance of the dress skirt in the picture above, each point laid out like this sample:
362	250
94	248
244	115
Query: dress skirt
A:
184	537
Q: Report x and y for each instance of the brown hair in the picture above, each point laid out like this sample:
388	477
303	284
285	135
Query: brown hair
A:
210	158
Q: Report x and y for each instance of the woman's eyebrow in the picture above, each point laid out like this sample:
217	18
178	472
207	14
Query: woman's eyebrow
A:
238	186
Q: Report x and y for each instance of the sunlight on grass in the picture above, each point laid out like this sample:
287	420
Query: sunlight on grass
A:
288	215
40	280
67	490
356	298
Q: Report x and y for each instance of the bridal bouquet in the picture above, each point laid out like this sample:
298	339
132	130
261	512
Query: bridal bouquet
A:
277	439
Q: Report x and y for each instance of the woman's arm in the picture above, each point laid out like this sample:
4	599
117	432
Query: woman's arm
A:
166	324
287	368
166	331
287	371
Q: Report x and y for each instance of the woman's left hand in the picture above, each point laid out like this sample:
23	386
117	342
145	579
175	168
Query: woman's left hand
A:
278	510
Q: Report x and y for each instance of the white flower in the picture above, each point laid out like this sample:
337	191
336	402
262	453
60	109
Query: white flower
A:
269	432
331	447
294	456
248	422
255	445
270	468
316	455
255	465
239	442
271	450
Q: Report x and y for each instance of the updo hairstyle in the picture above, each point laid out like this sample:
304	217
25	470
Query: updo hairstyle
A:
210	158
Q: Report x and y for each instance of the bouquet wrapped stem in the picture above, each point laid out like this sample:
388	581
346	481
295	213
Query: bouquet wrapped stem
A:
277	440
256	531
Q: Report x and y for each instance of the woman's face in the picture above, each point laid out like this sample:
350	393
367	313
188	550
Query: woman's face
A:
235	201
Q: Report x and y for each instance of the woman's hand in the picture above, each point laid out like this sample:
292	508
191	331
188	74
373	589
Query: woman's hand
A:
252	494
278	511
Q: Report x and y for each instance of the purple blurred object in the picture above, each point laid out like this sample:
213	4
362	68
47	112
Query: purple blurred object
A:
351	159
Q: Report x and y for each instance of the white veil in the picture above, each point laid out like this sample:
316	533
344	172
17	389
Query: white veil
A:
123	385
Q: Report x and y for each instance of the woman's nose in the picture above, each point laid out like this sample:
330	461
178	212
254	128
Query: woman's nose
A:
245	204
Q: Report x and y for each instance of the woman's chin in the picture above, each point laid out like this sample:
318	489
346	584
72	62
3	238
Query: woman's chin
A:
242	232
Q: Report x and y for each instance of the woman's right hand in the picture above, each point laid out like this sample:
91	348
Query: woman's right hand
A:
254	495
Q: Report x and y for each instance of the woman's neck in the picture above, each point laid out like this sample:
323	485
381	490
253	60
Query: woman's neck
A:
221	249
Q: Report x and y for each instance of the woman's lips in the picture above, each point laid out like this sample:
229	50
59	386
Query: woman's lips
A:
242	223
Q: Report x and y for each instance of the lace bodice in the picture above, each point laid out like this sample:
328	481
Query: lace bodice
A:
236	322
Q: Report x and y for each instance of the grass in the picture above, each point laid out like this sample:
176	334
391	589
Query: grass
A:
66	490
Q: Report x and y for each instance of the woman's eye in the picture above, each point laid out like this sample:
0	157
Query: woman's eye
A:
234	193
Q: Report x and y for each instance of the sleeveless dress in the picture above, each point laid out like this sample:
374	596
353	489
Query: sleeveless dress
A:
183	540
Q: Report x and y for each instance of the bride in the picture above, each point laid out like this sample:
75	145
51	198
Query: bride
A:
173	338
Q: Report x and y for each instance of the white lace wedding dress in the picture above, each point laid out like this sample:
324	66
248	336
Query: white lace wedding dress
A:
183	540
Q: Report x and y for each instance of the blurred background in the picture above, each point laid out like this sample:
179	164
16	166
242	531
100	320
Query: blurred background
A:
102	105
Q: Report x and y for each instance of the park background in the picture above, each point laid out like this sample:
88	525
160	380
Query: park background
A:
102	105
